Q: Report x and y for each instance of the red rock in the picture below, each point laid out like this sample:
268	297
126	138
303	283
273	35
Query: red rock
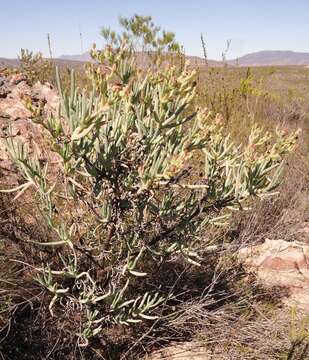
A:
281	263
17	78
47	93
14	108
14	115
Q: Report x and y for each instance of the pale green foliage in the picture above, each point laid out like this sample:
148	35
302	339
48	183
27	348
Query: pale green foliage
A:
142	34
151	44
122	199
34	66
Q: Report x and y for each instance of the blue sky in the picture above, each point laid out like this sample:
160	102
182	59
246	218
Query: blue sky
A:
252	25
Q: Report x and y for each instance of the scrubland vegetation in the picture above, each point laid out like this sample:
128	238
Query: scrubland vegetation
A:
128	242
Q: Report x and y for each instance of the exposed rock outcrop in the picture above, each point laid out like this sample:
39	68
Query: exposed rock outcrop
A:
15	117
281	263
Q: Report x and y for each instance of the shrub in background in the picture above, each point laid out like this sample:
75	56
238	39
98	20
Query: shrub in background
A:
35	67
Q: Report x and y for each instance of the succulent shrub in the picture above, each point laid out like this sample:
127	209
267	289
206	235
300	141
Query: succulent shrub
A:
122	199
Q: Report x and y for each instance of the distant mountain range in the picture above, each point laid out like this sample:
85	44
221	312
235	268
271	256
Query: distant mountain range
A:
261	58
59	61
271	57
142	59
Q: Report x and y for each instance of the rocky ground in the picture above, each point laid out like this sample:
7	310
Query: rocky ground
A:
15	117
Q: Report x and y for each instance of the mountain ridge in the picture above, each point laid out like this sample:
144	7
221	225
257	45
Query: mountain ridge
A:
259	58
272	57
